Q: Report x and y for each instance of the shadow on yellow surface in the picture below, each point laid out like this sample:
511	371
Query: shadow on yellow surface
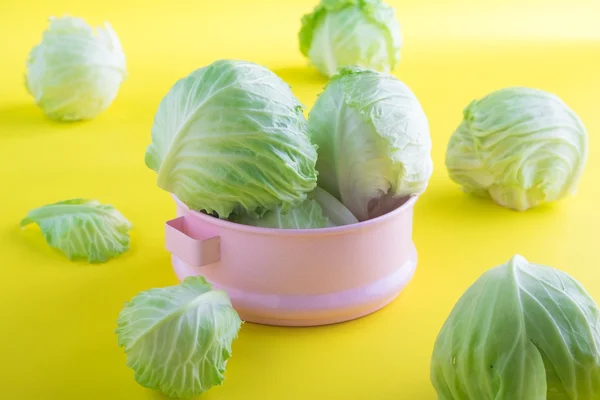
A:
296	75
28	120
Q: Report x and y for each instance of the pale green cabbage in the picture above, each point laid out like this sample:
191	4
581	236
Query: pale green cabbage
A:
520	146
75	73
307	215
178	338
521	332
319	210
373	141
341	33
337	213
82	229
232	137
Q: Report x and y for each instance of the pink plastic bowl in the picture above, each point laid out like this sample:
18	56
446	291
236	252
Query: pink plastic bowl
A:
297	277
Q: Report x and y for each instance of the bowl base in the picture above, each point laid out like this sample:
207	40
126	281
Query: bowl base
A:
312	310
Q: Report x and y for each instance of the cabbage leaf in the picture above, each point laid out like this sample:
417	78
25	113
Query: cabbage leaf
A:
178	339
82	229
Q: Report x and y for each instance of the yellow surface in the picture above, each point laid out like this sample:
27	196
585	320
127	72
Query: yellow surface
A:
58	318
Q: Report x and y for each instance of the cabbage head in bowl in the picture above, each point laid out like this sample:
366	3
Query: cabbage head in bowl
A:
231	136
373	141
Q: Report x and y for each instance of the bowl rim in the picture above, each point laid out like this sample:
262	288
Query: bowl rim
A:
405	207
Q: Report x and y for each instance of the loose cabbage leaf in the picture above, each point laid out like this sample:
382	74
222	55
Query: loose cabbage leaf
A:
82	229
232	137
178	339
521	331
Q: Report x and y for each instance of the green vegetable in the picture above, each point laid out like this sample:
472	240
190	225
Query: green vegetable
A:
75	73
521	331
373	141
342	33
335	211
307	215
320	210
82	229
178	338
520	146
232	136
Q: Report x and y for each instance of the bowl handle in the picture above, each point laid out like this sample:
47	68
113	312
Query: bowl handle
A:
195	252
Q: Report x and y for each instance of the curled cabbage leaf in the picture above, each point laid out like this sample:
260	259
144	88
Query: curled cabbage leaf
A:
319	210
232	137
75	73
337	213
342	33
521	331
307	215
373	141
522	147
178	339
82	229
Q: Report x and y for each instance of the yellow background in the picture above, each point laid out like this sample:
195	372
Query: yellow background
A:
58	318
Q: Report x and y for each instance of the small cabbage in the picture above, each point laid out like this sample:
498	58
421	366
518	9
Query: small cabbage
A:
522	147
521	331
232	136
75	73
178	339
373	141
82	229
342	33
319	210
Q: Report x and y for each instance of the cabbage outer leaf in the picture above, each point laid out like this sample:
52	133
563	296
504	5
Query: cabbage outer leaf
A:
307	215
82	229
178	339
341	33
319	210
232	136
332	208
521	332
522	147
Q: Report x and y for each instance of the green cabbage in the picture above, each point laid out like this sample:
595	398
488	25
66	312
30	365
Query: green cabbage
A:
178	339
307	215
75	73
520	146
521	331
82	229
373	141
319	210
232	137
341	33
337	213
